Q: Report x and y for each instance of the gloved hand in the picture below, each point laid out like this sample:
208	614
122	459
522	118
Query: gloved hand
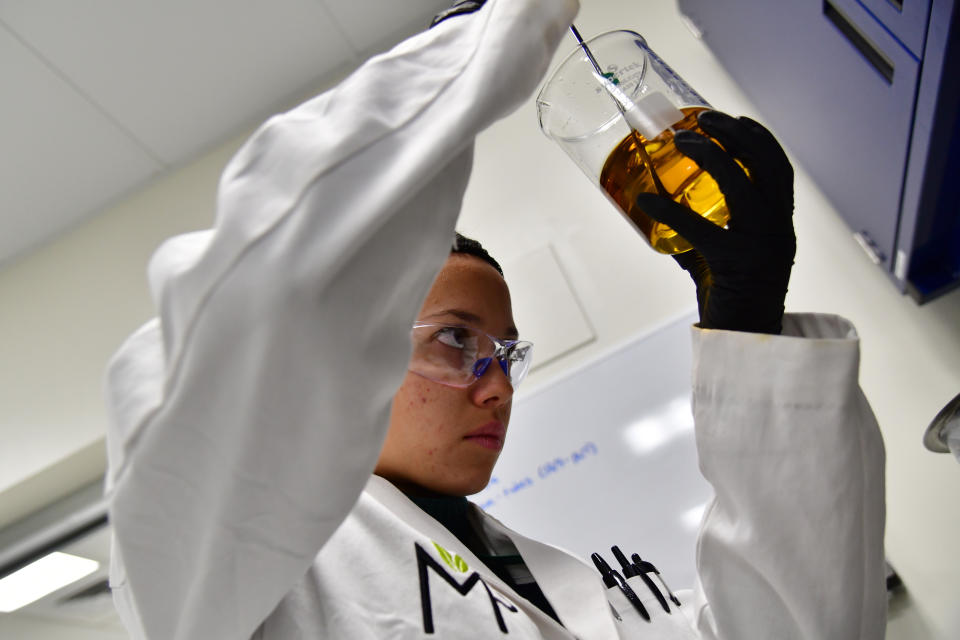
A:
741	272
459	7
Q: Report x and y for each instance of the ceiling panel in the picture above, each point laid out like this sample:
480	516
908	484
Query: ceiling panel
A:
370	23
181	75
62	158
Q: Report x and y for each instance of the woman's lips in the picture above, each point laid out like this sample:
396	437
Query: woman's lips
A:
490	435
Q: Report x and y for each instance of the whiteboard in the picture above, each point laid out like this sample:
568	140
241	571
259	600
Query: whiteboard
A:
606	456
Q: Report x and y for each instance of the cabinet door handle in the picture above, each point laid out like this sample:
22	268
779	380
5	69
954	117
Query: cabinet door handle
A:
869	247
862	44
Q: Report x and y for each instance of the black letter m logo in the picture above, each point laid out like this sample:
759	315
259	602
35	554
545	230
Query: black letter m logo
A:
425	562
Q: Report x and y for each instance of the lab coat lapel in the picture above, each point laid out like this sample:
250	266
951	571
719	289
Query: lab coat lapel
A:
394	499
573	588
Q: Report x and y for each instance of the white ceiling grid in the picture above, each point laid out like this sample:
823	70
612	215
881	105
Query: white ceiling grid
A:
102	95
60	153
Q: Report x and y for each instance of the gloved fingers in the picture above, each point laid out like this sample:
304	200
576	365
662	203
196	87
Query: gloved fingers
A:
737	188
770	149
747	140
776	180
753	145
696	265
698	231
692	262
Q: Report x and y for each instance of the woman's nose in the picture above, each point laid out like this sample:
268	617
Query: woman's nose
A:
493	385
480	366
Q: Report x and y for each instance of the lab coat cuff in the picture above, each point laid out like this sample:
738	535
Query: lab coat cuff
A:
816	358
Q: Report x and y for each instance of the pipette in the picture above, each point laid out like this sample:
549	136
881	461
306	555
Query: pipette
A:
586	50
615	94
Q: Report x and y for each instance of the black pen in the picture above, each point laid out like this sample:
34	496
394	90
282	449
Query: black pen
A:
629	571
612	578
647	567
608	580
604	569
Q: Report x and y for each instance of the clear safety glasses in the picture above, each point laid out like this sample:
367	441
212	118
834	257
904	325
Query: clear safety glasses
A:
457	356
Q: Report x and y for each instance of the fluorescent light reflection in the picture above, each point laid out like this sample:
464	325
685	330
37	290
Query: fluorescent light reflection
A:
671	421
691	518
37	579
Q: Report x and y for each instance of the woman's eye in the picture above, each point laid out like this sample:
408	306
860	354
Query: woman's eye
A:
450	336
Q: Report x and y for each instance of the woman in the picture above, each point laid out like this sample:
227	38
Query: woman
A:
278	438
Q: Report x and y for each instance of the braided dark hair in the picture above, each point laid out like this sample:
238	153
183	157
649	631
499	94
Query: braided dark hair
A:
469	246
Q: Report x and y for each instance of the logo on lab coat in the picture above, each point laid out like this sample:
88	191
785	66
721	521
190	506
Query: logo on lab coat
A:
425	562
453	561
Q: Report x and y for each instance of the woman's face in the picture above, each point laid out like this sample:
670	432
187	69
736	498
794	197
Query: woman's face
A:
445	440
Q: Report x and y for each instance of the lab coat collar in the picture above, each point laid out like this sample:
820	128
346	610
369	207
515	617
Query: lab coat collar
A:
567	582
564	580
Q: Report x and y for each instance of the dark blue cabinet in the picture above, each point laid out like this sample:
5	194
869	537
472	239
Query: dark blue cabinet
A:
864	94
905	19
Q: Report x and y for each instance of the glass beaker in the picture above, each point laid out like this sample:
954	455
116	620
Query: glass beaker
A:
615	116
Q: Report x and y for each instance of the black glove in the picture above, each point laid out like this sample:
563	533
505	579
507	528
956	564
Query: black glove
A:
460	7
741	272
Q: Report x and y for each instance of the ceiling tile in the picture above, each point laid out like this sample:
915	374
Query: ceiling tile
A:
183	75
545	306
373	24
62	157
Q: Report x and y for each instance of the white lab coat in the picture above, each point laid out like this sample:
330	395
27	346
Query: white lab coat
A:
247	418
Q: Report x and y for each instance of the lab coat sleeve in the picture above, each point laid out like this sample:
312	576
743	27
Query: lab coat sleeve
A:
791	546
247	418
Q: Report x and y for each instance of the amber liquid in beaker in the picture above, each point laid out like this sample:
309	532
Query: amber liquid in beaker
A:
625	174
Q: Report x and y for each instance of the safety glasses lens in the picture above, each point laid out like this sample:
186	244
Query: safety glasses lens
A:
445	354
458	356
520	359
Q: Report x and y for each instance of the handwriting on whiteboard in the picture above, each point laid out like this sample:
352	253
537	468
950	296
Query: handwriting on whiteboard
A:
500	489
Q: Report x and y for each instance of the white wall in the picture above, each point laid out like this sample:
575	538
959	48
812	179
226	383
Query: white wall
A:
66	308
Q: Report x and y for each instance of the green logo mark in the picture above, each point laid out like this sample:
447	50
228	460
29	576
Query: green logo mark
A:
453	561
609	75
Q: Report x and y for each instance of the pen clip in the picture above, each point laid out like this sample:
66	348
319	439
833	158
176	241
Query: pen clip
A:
630	571
612	578
647	567
631	595
604	569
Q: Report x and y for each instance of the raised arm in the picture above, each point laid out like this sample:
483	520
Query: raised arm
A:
247	418
792	545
